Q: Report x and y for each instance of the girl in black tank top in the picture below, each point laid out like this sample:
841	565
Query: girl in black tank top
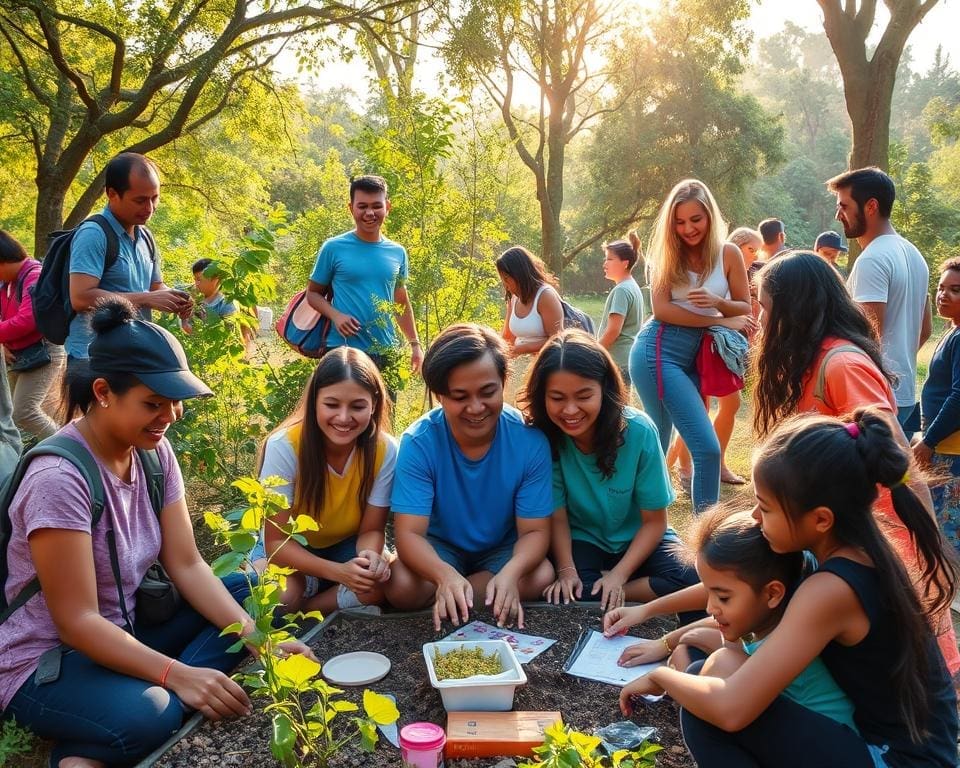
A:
815	480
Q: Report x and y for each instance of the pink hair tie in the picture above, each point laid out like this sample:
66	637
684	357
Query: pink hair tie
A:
852	429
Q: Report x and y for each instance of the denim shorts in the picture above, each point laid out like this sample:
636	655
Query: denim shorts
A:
468	563
341	552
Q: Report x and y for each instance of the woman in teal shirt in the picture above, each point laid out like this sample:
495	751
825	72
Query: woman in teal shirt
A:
610	539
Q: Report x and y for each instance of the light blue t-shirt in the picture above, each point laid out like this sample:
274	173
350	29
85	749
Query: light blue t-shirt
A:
219	307
473	504
133	272
815	689
605	511
362	275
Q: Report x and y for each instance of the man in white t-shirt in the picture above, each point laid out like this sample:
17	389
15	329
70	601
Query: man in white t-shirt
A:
889	279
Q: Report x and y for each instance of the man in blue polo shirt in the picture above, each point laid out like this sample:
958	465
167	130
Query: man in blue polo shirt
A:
366	272
473	492
133	190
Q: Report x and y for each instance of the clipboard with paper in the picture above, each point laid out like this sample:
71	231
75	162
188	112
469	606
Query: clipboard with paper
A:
594	657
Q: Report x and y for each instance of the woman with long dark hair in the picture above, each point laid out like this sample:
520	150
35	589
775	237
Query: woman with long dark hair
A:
610	537
337	460
817	352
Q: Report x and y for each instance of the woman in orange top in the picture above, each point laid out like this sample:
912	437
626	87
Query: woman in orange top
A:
817	352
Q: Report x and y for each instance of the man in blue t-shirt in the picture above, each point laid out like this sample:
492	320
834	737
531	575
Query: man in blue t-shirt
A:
367	273
473	492
133	190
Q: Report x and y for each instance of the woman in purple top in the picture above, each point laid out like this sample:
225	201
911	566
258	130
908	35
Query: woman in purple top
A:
78	665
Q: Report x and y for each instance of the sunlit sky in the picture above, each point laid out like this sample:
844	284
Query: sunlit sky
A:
939	27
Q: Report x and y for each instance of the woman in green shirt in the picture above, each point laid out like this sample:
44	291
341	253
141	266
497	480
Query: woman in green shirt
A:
610	538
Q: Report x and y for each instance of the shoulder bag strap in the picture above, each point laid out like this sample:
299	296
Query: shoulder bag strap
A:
113	241
819	391
71	450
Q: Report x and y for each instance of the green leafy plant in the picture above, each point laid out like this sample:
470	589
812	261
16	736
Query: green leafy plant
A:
301	705
566	748
218	438
15	741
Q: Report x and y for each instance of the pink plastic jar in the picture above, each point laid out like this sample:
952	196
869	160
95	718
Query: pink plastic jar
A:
421	745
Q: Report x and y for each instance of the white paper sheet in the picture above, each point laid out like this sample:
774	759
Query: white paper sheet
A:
526	647
597	660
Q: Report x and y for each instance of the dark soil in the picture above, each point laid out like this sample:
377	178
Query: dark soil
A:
585	705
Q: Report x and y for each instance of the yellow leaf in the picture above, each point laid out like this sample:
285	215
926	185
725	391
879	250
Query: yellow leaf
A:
305	523
585	742
216	523
297	670
252	519
379	708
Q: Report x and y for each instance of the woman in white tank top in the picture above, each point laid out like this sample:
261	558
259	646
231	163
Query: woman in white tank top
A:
728	405
533	311
697	280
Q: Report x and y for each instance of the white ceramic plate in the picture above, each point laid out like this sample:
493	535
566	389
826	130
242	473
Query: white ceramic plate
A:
357	668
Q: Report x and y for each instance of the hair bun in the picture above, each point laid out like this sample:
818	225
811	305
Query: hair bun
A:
885	459
112	312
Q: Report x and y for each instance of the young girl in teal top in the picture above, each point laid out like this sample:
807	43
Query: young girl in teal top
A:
748	586
610	483
815	480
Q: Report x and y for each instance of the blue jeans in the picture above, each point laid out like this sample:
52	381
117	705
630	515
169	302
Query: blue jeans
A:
666	571
94	712
909	418
682	404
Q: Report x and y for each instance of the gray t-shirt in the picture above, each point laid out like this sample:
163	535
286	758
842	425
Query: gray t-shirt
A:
891	271
624	299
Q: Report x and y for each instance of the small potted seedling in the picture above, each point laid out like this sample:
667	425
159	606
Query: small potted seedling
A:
477	676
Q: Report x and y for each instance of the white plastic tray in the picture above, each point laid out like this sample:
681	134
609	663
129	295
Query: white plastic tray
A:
480	693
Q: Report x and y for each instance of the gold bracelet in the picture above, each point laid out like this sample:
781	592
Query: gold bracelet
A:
666	645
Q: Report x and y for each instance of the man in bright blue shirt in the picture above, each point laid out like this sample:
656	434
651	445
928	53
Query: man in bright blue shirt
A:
473	492
366	272
133	190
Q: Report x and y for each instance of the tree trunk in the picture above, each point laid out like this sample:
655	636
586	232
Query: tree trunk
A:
51	194
868	81
869	94
552	236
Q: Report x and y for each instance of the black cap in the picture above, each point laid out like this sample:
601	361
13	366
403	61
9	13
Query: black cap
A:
829	239
150	353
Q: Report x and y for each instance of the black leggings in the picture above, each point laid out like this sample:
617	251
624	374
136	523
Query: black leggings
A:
785	735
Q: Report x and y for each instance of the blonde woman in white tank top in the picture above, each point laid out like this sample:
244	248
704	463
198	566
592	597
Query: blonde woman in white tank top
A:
697	280
533	312
728	405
